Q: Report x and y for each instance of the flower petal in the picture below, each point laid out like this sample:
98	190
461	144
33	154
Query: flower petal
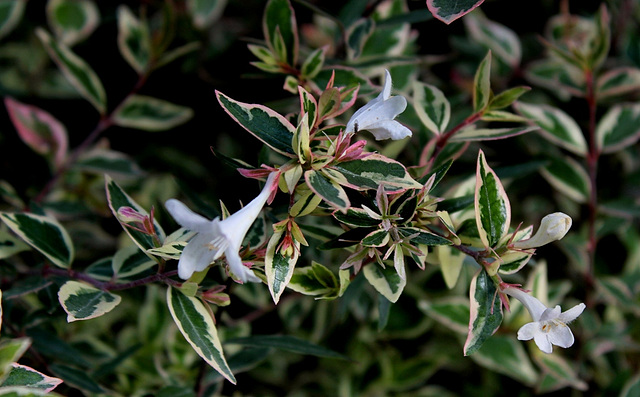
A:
533	305
389	129
571	314
386	88
187	218
543	343
239	270
550	314
196	256
528	331
561	336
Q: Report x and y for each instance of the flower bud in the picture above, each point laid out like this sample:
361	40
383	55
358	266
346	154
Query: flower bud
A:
553	227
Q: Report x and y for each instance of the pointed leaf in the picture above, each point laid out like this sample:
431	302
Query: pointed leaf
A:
482	84
83	302
40	130
450	260
105	161
118	198
44	234
472	133
557	126
486	312
559	368
150	114
24	376
563	80
357	36
10	245
448	11
313	63
264	123
304	281
287	343
618	81
129	261
356	217
78	378
198	328
377	238
375	170
329	190
10	15
507	97
569	177
308	106
10	351
278	266
134	41
432	107
205	12
619	128
451	312
76	70
386	281
492	208
280	20
72	21
502	41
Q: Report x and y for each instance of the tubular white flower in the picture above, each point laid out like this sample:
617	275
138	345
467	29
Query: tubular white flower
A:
378	115
215	237
553	227
549	326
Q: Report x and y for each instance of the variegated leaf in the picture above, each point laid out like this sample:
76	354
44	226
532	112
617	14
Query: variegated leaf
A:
556	125
452	312
505	355
375	170
432	107
386	281
485	312
503	42
472	133
129	261
10	351
492	208
482	84
10	15
10	244
281	30
150	114
72	21
82	301
23	376
44	234
618	81
198	328
448	11
450	260
619	127
134	41
326	188
569	177
76	70
205	12
279	266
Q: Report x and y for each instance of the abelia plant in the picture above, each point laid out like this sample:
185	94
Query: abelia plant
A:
355	230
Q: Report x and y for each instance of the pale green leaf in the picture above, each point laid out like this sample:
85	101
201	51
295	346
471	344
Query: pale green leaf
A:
82	301
72	21
386	281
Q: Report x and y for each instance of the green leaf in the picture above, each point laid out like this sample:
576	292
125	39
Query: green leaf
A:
485	312
279	20
39	130
205	12
631	387
507	97
305	281
264	123
505	355
197	326
432	107
10	351
450	260
313	63
287	343
326	188
24	376
569	177
306	204
300	140
502	41
129	261
482	84
377	238
386	281
375	170
279	266
44	234
308	106
105	161
83	302
10	245
452	312
557	126
618	81
79	378
423	237
76	70
472	133
72	21
134	41
356	217
357	36
118	198
563	371
563	80
23	391
150	114
10	15
448	11
492	208
619	128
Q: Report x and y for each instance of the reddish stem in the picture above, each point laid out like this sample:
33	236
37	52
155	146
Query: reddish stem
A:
109	285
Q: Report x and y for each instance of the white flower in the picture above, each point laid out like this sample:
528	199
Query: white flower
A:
378	115
553	227
215	237
549	326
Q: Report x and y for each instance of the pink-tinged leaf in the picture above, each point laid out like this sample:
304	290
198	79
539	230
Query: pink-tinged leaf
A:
39	130
449	10
21	375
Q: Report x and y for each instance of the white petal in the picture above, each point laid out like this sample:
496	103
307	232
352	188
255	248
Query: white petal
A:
360	115
561	336
196	256
389	129
187	218
386	89
542	341
528	331
240	271
571	314
550	314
